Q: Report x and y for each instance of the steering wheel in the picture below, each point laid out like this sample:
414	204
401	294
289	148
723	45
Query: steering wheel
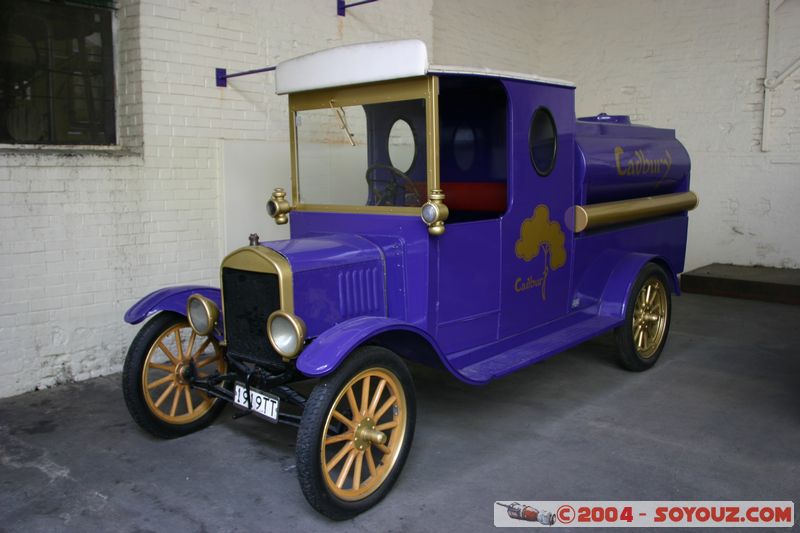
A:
397	181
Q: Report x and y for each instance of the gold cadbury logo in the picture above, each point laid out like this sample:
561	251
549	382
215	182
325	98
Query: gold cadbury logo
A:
640	165
539	233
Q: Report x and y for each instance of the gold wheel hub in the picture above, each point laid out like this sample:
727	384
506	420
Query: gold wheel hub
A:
363	434
182	373
650	317
166	371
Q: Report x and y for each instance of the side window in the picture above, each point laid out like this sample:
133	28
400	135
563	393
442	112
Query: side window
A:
474	152
542	139
57	72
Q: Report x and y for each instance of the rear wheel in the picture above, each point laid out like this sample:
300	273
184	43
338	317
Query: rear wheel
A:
642	336
155	377
356	432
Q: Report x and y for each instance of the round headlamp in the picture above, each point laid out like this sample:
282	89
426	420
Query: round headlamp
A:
202	313
286	333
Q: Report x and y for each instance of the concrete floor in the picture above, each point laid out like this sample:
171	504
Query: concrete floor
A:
717	419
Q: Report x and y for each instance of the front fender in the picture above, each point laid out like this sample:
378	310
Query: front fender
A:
327	351
170	299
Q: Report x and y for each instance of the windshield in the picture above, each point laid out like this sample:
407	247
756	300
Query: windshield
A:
362	155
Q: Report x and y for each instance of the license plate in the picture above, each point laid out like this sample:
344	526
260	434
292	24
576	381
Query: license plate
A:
261	403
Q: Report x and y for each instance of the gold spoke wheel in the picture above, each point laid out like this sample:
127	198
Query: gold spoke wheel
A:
643	334
650	317
166	367
363	434
356	432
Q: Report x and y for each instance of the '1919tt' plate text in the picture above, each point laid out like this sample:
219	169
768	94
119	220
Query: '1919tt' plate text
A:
261	403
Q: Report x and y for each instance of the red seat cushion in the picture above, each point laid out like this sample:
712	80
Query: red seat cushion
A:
469	196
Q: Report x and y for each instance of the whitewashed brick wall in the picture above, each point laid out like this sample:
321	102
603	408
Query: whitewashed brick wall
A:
69	230
86	232
498	34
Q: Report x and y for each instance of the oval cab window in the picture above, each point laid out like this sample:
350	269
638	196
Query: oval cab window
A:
402	147
542	140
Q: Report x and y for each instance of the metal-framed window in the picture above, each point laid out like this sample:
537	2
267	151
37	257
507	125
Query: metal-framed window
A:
57	72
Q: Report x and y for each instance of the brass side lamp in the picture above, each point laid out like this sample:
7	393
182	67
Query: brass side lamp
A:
277	206
434	212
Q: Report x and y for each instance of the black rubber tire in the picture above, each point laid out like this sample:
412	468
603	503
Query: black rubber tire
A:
629	357
132	382
309	437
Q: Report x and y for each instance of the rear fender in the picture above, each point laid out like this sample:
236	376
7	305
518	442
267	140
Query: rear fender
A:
623	276
170	299
326	352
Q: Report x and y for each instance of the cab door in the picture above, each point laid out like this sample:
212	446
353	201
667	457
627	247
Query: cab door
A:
536	250
473	120
468	271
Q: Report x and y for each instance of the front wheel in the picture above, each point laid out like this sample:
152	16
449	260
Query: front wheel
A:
156	377
356	432
642	336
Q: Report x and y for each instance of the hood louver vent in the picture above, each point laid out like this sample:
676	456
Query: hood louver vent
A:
359	292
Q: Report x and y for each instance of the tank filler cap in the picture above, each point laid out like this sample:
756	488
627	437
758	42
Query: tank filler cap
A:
606	118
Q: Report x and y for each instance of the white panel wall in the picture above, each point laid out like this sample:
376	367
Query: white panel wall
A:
250	172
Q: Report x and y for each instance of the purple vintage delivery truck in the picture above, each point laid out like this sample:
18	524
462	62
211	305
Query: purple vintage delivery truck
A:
457	217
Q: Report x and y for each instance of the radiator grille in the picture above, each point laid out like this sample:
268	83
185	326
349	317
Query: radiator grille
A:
249	299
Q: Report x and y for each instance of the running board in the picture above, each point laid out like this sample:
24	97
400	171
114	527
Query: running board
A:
538	349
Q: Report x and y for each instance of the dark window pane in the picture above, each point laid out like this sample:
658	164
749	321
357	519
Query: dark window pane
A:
56	73
542	140
464	147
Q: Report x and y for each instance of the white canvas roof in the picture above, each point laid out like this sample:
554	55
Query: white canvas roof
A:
371	62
